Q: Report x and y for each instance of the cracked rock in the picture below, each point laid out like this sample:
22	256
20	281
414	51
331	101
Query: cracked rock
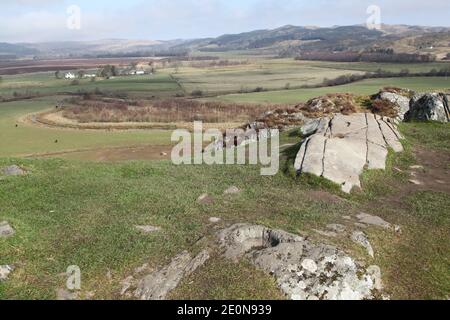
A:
304	270
343	145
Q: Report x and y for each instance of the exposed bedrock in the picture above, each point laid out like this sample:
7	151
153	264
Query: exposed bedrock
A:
343	145
304	270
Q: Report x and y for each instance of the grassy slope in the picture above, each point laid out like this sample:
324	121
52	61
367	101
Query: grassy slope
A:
365	87
68	212
29	139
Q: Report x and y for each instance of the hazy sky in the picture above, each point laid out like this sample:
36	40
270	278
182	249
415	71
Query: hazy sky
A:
46	20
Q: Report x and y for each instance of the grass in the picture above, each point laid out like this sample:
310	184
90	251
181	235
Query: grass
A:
29	139
430	134
371	67
69	212
365	87
274	74
87	218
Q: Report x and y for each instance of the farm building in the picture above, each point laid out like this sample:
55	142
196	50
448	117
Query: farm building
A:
69	75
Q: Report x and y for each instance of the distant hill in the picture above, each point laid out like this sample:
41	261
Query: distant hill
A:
401	38
8	49
287	40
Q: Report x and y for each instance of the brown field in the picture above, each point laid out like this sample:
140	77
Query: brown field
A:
160	111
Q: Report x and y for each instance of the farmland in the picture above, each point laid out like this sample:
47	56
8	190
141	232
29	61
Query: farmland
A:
214	82
87	189
365	87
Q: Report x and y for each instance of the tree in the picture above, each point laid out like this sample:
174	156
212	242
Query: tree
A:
58	74
108	71
81	74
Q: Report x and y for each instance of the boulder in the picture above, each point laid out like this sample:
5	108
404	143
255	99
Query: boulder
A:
304	270
400	102
343	145
429	107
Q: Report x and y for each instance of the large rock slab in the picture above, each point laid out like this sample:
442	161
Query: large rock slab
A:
429	107
340	150
304	270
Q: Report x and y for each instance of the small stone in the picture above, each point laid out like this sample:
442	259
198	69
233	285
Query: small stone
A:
148	229
164	154
309	265
127	283
6	230
205	199
338	228
5	272
232	190
416	167
373	220
347	217
63	294
416	182
360	238
440	182
13	171
375	273
214	220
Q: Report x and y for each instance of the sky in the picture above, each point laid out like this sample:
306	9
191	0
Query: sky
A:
55	20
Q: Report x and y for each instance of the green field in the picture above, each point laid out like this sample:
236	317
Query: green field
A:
371	67
28	139
365	87
45	83
268	74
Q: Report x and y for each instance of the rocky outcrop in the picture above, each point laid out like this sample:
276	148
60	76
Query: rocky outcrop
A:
158	284
429	107
304	270
400	102
342	146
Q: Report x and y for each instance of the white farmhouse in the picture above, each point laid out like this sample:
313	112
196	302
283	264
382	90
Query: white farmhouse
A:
69	75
